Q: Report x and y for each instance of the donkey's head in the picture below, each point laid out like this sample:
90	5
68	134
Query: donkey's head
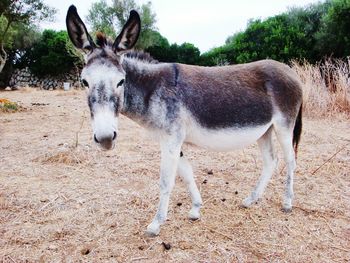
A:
103	73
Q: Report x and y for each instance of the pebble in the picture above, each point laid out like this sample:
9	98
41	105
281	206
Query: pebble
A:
166	246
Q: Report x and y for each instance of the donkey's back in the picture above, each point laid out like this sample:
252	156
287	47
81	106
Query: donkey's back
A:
240	95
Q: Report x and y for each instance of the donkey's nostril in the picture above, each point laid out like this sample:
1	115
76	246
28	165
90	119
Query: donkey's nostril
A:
114	135
96	139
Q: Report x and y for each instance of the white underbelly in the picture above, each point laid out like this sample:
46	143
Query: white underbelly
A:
226	139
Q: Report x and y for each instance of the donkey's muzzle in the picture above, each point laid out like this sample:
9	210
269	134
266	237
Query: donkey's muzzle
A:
106	142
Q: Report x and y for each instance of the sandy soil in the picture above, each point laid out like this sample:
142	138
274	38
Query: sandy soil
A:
63	200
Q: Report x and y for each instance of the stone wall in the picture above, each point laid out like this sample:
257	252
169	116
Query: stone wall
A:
24	78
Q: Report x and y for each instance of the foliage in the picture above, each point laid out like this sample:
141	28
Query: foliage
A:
51	55
110	19
19	12
218	56
185	53
311	33
22	38
160	47
8	106
25	11
102	18
333	38
19	39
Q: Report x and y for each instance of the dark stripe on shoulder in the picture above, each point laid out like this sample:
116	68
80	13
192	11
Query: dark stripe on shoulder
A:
176	74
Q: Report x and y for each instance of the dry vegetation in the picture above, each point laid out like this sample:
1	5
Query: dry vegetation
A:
326	87
63	200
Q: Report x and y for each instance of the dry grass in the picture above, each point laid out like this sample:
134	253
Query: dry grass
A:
326	87
62	200
69	156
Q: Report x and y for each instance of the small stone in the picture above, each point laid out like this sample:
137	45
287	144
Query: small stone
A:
210	172
85	251
8	89
223	199
166	246
179	204
52	247
184	245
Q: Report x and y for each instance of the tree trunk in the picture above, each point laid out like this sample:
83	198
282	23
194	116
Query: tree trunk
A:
3	57
3	54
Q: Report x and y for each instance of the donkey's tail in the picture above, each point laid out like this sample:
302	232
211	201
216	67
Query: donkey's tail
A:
297	130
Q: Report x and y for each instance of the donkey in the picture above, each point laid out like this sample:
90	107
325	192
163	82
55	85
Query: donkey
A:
218	108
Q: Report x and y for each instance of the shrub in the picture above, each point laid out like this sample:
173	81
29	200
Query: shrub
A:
8	106
51	55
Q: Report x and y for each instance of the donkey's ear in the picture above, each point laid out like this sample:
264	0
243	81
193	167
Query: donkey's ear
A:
77	31
130	33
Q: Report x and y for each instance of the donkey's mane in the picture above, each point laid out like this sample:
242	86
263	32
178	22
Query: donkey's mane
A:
102	41
141	56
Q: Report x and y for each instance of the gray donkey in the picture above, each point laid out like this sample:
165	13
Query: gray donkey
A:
218	108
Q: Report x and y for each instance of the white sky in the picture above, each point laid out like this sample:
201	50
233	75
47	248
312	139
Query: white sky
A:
205	23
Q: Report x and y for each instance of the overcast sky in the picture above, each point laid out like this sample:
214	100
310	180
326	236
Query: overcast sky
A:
204	23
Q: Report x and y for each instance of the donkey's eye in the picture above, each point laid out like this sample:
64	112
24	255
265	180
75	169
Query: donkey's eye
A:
85	83
120	83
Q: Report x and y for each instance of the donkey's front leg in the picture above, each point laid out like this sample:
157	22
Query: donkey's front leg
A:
170	153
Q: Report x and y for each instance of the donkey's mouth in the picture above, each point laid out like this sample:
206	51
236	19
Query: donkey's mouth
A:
107	145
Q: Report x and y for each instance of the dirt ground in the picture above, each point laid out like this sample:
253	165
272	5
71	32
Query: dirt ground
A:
63	200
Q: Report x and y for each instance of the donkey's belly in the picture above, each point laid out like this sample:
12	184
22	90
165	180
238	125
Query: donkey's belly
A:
226	139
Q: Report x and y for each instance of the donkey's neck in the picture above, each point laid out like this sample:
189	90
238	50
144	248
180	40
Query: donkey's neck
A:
142	81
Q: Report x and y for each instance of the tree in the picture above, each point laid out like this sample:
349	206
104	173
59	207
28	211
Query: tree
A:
160	47
333	38
110	19
52	55
290	35
219	56
19	40
102	18
19	12
308	20
188	54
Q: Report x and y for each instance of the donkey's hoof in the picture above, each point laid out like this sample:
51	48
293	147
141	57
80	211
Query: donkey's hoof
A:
194	214
286	209
153	229
247	202
287	205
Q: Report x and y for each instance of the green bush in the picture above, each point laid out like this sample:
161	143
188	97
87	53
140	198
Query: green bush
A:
51	55
312	33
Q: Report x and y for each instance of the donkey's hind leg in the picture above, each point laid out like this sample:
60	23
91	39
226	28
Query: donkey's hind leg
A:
185	171
269	165
285	138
